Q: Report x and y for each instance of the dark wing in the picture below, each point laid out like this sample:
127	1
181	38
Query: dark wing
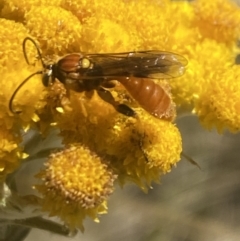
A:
145	64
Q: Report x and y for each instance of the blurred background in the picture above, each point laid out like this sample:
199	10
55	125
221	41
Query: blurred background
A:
189	205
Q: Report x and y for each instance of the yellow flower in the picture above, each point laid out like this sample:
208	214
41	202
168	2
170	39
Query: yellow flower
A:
219	105
148	23
10	153
147	148
205	58
206	85
16	10
76	184
102	36
63	32
11	45
218	19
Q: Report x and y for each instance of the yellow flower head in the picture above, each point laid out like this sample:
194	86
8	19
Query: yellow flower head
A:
16	10
218	19
76	184
204	60
138	148
10	153
219	105
148	147
63	33
11	45
102	36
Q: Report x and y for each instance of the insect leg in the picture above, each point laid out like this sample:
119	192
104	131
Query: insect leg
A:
189	159
121	108
140	143
138	139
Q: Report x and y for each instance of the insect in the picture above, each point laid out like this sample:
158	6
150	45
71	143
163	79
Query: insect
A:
134	70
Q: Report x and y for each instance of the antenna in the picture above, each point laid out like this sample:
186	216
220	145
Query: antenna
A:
30	76
37	48
15	92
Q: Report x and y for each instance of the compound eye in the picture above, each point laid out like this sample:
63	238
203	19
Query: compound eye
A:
85	63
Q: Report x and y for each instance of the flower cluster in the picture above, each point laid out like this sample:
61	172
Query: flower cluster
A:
103	146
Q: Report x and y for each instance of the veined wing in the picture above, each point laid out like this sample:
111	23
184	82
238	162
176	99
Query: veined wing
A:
145	64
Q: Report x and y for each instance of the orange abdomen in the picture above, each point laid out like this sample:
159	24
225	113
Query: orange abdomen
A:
150	96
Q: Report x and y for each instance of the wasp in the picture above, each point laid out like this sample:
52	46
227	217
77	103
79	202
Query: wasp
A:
136	71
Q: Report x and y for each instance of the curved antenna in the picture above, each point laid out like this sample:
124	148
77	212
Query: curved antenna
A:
10	106
36	46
